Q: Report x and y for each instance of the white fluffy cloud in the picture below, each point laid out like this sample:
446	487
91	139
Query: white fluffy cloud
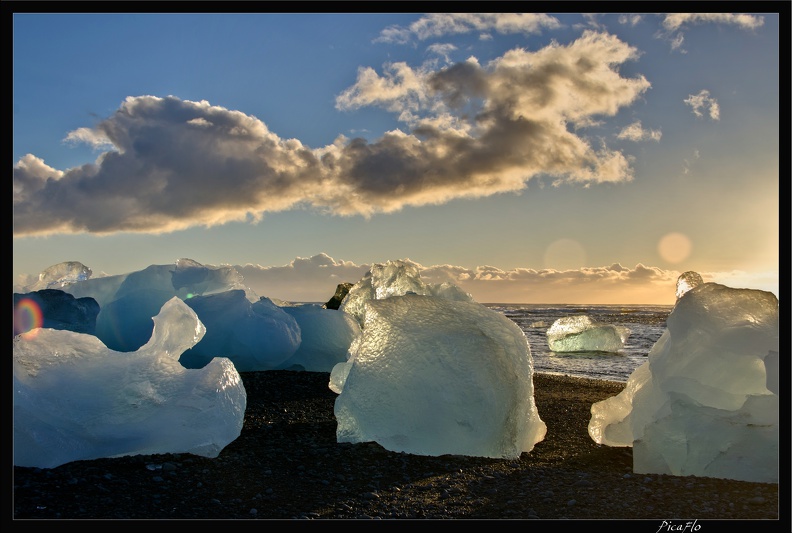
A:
609	284
315	279
440	24
636	132
303	279
702	103
630	19
676	21
88	136
674	24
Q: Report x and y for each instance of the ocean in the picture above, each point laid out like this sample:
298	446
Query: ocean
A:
645	322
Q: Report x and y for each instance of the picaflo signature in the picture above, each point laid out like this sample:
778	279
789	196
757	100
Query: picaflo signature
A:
678	527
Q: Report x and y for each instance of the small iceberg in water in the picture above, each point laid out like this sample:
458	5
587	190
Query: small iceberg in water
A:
580	334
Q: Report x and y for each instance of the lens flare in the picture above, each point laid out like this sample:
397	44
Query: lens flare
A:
565	254
27	318
674	247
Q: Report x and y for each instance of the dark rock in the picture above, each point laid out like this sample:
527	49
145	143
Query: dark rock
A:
341	291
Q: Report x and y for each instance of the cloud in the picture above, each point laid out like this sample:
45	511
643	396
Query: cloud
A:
676	21
303	279
471	130
636	132
630	19
30	178
591	21
315	279
400	89
176	164
443	50
88	136
674	24
608	284
703	102
763	281
440	24
687	163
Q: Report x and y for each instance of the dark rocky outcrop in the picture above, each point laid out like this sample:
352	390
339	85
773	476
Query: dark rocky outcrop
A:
341	291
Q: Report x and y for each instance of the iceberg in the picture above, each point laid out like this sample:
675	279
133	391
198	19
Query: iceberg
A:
394	278
75	399
433	376
128	301
53	308
581	334
326	336
706	402
254	336
59	276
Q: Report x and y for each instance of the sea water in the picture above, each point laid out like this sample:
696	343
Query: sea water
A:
645	322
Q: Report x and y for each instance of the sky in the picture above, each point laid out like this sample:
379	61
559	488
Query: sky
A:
526	157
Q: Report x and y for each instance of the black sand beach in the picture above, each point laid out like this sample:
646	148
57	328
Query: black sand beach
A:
286	464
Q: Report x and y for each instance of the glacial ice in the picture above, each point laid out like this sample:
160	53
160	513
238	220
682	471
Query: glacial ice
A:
58	276
433	376
326	337
128	301
705	403
395	278
255	333
686	281
581	334
74	399
254	336
53	308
